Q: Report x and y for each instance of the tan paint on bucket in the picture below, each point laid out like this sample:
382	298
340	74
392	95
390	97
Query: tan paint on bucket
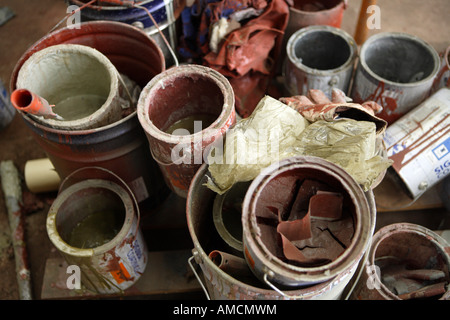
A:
111	267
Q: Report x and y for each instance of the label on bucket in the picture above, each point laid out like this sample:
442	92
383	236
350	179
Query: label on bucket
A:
419	143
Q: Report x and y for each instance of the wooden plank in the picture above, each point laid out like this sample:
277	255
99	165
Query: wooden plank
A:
167	273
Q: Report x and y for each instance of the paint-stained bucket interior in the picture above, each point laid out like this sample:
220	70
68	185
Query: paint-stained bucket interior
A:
409	262
91	217
178	102
183	110
321	58
399	58
222	284
94	224
320	227
321	50
80	81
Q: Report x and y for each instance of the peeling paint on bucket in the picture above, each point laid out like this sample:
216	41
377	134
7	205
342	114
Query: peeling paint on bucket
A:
419	247
397	71
219	285
319	57
113	260
173	96
120	147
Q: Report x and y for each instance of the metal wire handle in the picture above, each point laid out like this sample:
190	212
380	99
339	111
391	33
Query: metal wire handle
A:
288	296
198	277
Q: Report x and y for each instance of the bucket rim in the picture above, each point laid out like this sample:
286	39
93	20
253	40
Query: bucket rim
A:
402	36
296	275
57	50
342	3
186	70
118	7
403	227
332	30
63	195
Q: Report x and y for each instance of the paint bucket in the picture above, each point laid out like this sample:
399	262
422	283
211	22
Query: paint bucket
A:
305	13
397	243
319	57
419	144
164	12
219	285
120	147
7	111
315	12
263	258
94	223
443	78
397	71
80	81
197	95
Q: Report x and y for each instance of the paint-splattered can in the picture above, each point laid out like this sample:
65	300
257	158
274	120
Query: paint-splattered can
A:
397	250
419	144
7	111
319	57
183	111
397	71
220	285
94	223
271	263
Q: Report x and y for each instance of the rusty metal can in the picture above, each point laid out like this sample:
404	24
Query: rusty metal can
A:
319	57
419	144
397	71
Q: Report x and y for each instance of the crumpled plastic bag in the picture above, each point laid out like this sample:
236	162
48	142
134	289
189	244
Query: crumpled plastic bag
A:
254	143
275	131
349	143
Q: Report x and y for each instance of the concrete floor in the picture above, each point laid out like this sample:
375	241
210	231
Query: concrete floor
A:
425	19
